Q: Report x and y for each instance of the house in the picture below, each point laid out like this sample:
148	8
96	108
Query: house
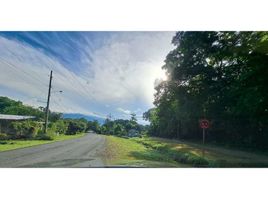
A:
7	119
15	117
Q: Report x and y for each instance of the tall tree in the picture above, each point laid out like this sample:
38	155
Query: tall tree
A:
218	75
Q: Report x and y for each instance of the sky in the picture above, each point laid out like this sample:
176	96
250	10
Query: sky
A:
99	73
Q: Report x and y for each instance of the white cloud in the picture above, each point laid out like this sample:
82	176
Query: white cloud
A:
125	111
123	72
126	67
26	70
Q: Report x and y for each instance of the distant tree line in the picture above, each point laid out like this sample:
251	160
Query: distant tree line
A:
221	76
118	127
12	107
34	128
122	127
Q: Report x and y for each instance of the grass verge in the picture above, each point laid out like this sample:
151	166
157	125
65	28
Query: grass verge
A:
158	152
130	153
6	145
198	155
168	152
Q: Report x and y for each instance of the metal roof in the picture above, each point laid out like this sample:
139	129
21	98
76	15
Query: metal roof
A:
15	117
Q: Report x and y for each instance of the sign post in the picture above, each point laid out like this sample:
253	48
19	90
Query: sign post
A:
204	124
203	136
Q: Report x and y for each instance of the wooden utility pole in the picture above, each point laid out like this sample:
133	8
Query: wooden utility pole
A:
48	100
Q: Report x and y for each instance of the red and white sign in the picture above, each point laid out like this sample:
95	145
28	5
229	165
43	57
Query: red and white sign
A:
204	123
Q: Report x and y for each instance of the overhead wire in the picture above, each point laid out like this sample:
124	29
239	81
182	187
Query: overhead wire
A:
75	80
84	91
22	70
27	74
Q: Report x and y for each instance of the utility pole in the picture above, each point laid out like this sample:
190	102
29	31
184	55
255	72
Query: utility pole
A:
48	100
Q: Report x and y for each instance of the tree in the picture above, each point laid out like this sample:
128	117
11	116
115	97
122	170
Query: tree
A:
94	126
133	117
9	106
218	75
119	130
120	127
76	126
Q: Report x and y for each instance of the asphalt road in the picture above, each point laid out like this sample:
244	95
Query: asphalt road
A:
86	151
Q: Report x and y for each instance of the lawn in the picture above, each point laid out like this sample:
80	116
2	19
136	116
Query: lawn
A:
16	144
158	152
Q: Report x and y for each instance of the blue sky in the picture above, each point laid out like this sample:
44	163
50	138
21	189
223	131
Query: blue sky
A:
98	72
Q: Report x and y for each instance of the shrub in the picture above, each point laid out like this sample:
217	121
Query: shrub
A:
60	127
4	136
45	137
198	161
50	135
25	129
75	127
177	155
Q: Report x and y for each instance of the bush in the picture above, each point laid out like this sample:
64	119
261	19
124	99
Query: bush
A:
50	135
198	161
177	155
75	127
59	127
25	129
45	137
4	136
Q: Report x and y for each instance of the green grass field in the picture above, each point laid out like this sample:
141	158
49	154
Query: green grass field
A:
158	152
16	144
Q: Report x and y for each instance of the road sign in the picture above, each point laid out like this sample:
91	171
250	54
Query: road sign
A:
204	123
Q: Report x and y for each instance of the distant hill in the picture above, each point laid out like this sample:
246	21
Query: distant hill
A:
87	117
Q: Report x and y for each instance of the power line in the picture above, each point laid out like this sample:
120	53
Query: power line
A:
85	90
60	105
21	70
74	79
40	93
74	83
29	75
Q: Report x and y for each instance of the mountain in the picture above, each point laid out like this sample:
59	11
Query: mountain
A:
87	117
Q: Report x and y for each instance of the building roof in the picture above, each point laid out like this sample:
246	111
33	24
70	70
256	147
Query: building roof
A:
15	117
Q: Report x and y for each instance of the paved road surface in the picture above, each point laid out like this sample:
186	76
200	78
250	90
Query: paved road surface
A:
86	151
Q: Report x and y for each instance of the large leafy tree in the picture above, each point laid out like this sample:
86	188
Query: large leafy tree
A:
218	75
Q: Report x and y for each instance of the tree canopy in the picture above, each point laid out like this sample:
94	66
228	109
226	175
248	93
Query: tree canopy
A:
12	107
221	76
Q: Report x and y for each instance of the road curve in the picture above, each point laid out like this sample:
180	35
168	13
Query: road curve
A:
87	151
